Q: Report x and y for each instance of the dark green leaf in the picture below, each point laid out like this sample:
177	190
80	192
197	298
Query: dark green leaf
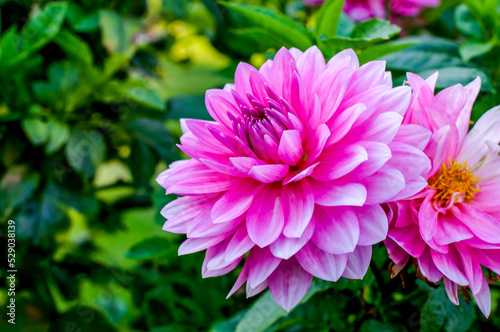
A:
118	32
378	51
276	23
142	163
156	135
16	186
474	48
327	18
85	151
192	107
150	248
466	23
58	136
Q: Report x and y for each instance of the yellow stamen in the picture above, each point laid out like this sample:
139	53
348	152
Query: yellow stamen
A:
452	179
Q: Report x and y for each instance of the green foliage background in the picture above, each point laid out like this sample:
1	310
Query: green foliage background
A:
91	93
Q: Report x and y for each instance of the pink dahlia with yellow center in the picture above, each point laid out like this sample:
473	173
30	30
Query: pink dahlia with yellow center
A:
452	227
291	175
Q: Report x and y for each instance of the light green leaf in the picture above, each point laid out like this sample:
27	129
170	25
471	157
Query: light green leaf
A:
276	23
36	130
327	18
118	32
474	48
144	95
375	30
378	51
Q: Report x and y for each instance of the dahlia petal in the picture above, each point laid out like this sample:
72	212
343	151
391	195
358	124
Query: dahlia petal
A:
320	263
298	206
378	155
239	245
214	262
413	135
343	122
337	229
481	224
245	164
268	173
358	262
405	238
373	224
428	267
382	128
383	185
334	193
261	264
202	226
257	290
290	148
315	144
412	187
310	65
483	298
182	210
303	172
397	100
219	103
451	290
198	244
285	247
339	161
240	281
471	267
233	204
366	77
428	217
463	120
450	265
396	253
436	149
450	229
409	160
289	283
265	218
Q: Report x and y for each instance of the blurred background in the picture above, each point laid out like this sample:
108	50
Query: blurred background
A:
91	93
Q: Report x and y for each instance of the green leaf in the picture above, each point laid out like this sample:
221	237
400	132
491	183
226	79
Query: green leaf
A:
39	30
466	22
248	41
276	23
150	248
36	130
118	32
474	48
156	135
142	163
75	47
453	75
58	136
85	151
427	53
80	20
378	51
327	18
375	30
146	96
265	311
439	312
16	186
192	107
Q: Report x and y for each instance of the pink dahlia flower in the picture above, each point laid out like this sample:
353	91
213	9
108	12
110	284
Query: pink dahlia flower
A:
293	171
452	227
361	10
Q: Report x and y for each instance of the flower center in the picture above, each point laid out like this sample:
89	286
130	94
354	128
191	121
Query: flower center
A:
456	178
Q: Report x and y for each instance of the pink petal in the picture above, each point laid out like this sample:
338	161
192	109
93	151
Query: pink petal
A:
483	225
343	122
289	283
450	265
339	161
413	135
483	298
198	244
285	247
315	144
304	171
320	263
239	245
335	193
261	264
383	185
265	218
427	266
290	148
358	262
268	173
233	204
337	229
298	207
409	239
373	224
451	290
428	217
